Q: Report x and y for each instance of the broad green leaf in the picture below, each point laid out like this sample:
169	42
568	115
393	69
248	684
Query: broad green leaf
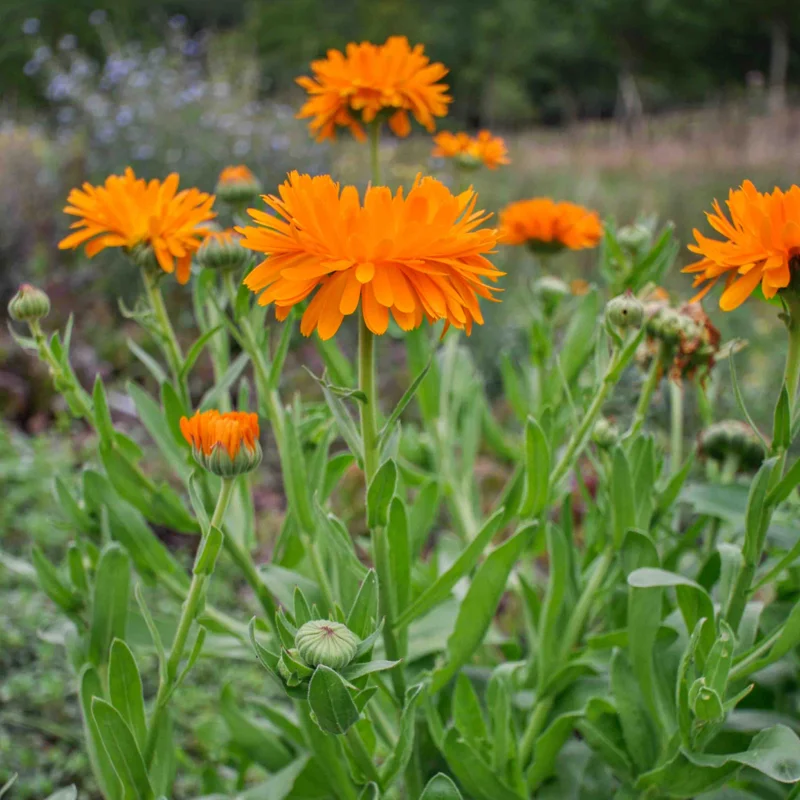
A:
330	700
638	550
623	507
125	690
479	606
441	588
547	747
357	670
787	484
552	605
89	687
468	715
756	519
77	570
206	557
164	766
440	787
122	751
109	602
473	773
537	470
403	749
364	612
380	493
102	415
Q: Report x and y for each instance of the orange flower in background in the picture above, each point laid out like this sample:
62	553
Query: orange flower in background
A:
237	185
238	173
208	430
471	151
127	211
416	256
352	88
762	239
547	226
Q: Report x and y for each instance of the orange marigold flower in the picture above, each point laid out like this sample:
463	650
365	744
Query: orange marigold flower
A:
354	87
129	212
225	444
237	173
420	255
762	240
546	226
471	151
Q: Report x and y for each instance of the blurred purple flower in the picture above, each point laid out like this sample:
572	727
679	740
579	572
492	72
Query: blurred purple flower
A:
30	27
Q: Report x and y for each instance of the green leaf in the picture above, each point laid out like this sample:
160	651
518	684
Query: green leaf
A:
442	586
537	470
423	514
268	659
473	773
513	387
125	690
194	352
153	367
380	493
52	584
787	484
280	352
174	409
68	793
623	508
756	519
10	782
399	554
344	422
209	550
164	766
105	427
280	785
408	395
77	517
370	792
354	671
782	422
468	715
109	602
547	747
479	606
440	787
90	687
122	751
364	612
640	737
330	701
550	614
302	613
398	759
669	494
740	401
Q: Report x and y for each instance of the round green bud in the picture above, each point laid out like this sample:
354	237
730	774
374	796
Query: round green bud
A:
28	304
732	438
605	433
237	186
223	251
551	291
625	311
220	463
326	642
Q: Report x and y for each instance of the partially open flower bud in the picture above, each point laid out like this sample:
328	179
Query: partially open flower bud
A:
605	433
625	311
223	250
551	291
28	304
225	444
326	642
237	186
731	438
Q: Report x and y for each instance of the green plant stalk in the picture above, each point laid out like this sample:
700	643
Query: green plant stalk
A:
189	612
676	426
172	350
534	727
219	350
742	668
792	371
578	439
730	466
580	615
361	756
647	391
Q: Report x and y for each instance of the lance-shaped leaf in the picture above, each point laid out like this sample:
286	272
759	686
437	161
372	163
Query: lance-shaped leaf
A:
330	700
109	602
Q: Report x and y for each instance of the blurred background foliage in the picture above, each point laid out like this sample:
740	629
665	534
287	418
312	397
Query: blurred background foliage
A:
632	108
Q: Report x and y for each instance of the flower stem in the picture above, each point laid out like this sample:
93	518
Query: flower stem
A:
368	410
676	426
375	151
172	350
361	756
534	727
792	371
646	395
189	612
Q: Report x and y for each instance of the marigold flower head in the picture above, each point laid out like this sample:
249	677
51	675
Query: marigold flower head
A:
225	444
762	245
131	213
471	151
351	89
547	227
237	185
420	255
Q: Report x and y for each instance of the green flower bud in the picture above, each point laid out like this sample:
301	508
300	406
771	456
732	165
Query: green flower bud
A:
28	304
551	291
223	250
225	444
237	186
605	433
326	642
732	438
624	311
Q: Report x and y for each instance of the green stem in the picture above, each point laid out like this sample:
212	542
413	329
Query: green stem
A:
730	466
172	350
676	426
375	152
368	409
189	612
361	756
580	615
534	727
792	372
646	395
